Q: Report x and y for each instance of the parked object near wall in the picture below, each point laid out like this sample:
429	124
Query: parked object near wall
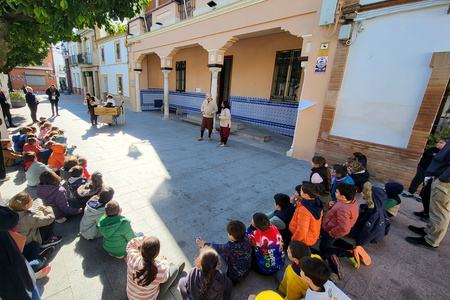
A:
17	99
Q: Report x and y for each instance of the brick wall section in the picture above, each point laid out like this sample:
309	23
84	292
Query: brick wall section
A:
385	163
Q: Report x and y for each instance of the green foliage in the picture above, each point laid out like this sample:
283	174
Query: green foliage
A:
433	139
28	27
16	95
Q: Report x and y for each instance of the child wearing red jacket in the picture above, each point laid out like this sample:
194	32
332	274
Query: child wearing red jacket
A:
305	225
338	222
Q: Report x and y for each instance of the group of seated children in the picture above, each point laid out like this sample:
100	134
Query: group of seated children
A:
293	228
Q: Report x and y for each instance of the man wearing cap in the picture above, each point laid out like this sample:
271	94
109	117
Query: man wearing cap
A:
434	233
208	109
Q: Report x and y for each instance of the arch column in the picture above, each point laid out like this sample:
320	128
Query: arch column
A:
214	78
137	88
166	93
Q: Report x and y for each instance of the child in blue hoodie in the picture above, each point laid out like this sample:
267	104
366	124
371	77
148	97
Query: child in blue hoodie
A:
340	175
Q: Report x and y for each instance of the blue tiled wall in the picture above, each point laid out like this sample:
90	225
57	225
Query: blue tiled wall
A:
276	116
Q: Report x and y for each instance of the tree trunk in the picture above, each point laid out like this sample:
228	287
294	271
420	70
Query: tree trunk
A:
5	47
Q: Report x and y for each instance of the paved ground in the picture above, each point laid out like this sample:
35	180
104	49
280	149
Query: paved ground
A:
174	187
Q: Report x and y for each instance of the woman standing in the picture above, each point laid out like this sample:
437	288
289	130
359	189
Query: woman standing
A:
91	103
32	103
53	97
5	108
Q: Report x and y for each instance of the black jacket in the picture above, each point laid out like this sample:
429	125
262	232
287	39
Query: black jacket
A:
51	93
17	279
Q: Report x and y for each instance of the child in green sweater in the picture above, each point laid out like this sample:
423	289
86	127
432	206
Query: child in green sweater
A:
116	230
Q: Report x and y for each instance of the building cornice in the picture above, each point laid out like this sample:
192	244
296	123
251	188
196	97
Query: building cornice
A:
110	36
200	18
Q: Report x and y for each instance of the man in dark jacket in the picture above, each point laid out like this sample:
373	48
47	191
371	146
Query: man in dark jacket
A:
436	229
16	276
53	97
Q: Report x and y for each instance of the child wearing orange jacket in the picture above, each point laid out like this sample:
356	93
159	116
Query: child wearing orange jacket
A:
56	159
307	219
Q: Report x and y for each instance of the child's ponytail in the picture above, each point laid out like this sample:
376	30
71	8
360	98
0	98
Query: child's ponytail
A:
149	251
208	261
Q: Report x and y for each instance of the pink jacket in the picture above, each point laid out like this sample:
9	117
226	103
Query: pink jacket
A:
341	218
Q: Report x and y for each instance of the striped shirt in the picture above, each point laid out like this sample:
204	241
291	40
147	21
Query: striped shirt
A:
135	262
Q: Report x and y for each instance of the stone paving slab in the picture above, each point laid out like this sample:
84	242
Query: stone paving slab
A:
174	187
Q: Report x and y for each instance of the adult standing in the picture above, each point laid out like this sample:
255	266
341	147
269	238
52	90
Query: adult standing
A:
5	108
208	109
439	213
32	103
53	97
91	103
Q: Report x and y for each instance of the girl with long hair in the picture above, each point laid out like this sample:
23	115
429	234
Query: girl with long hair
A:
148	278
205	281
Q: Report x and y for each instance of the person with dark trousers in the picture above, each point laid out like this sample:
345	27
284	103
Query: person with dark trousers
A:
424	162
436	229
91	103
32	103
53	97
5	108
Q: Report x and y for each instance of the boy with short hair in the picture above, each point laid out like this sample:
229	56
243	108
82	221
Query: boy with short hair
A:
76	180
45	154
33	168
282	216
337	223
267	245
292	285
237	252
340	175
316	273
116	230
32	144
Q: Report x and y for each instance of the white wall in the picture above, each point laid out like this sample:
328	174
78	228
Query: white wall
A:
364	2
387	74
112	68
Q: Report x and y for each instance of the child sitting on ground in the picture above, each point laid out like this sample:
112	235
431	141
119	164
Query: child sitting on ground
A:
33	168
33	145
148	278
91	188
237	253
45	154
205	280
116	230
282	217
35	226
307	219
340	175
291	284
45	128
94	210
56	159
316	273
393	189
267	245
20	139
10	157
359	175
82	161
338	223
69	162
53	194
76	180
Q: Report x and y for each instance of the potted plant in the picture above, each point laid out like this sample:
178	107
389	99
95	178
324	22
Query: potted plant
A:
17	99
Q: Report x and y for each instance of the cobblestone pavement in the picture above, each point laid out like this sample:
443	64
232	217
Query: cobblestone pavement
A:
174	187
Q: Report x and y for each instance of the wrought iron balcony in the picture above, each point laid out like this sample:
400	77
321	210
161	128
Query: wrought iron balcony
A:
82	58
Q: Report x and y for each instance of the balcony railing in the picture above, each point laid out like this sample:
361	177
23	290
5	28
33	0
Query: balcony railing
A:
82	58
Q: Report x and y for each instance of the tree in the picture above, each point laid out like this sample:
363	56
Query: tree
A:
27	28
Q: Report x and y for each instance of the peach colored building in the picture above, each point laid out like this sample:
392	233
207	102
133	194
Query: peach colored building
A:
38	77
292	67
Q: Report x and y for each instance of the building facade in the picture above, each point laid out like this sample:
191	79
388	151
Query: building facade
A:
83	61
339	76
113	66
38	77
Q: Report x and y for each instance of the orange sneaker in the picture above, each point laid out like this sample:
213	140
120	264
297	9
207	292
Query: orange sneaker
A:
355	258
43	272
365	258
